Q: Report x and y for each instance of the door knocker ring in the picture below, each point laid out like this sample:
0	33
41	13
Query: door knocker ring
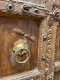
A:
21	52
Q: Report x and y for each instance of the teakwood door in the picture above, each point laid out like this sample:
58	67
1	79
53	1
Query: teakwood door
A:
28	40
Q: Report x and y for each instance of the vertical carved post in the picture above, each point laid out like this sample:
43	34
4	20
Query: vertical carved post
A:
51	48
42	46
46	50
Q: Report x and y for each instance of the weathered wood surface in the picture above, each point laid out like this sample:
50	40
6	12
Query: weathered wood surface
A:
34	27
24	76
57	53
8	37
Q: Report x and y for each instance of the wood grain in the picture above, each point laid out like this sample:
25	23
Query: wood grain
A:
7	39
57	52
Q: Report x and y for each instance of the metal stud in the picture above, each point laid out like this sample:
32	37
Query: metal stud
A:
43	58
10	6
37	11
44	37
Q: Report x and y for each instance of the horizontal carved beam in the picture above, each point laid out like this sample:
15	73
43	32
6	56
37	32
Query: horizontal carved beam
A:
26	75
25	10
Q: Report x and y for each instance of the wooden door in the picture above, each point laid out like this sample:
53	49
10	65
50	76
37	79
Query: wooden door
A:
27	40
7	39
18	34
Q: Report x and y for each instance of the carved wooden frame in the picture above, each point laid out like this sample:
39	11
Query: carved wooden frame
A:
45	68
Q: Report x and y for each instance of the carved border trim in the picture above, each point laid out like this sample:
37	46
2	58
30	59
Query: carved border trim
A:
24	10
26	75
47	37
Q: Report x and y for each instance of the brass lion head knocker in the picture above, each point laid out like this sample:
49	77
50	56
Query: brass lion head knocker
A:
21	51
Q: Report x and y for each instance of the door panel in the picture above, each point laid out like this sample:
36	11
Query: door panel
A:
7	39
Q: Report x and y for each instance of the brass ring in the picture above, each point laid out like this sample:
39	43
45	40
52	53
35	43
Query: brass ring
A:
17	53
